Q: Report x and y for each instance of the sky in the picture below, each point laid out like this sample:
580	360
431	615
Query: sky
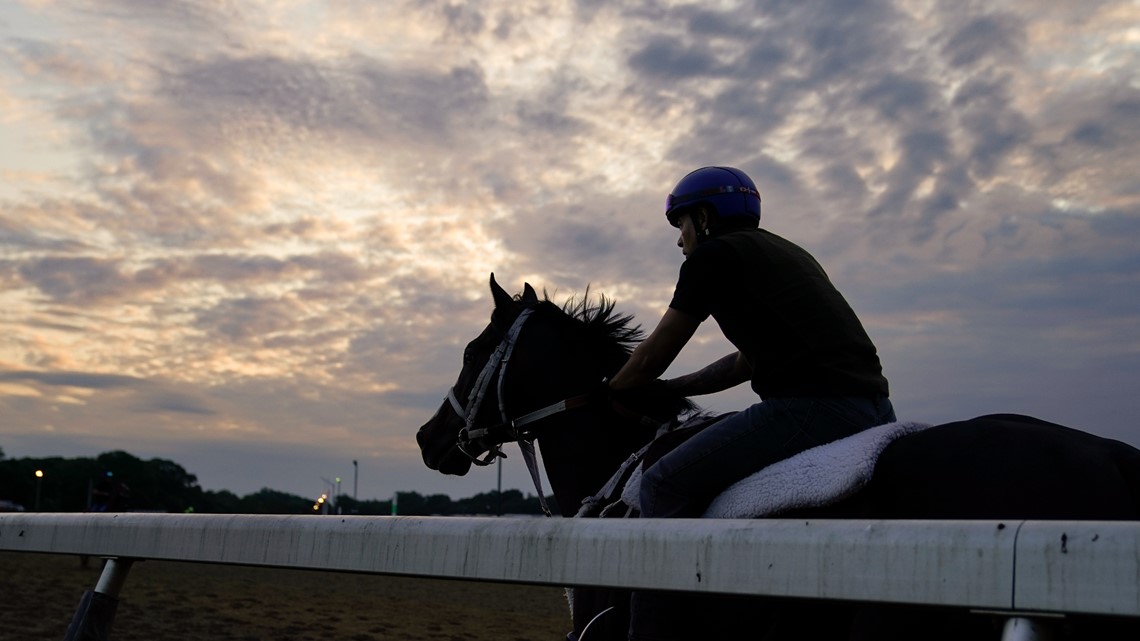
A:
253	237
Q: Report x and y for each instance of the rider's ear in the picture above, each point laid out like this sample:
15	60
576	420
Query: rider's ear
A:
529	296
500	295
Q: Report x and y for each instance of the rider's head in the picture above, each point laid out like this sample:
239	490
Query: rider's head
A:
727	196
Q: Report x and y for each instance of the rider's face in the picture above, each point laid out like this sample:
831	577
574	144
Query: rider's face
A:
689	231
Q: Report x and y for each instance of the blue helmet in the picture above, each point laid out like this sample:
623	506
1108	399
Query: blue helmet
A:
729	191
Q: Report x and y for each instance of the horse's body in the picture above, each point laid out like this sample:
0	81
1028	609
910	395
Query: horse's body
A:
992	467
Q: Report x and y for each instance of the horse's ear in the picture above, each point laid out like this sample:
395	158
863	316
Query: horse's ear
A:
500	295
529	296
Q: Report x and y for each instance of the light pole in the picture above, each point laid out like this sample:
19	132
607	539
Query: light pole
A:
333	489
39	482
355	478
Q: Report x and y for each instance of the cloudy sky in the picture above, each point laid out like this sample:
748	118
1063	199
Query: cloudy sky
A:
253	237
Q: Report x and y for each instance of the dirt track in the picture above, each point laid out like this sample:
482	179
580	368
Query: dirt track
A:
164	600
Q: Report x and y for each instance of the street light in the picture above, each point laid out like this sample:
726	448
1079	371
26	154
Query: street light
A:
332	492
39	482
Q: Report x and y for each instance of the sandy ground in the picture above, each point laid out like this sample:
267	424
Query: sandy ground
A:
165	600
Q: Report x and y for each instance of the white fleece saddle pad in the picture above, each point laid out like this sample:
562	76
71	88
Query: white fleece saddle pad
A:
819	476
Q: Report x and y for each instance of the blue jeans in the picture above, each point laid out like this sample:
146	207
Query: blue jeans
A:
683	482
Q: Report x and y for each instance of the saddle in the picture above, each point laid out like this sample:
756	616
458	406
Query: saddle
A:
815	477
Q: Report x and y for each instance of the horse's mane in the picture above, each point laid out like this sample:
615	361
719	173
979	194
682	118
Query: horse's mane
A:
617	334
602	322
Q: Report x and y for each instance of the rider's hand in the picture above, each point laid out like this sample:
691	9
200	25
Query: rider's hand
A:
602	392
655	390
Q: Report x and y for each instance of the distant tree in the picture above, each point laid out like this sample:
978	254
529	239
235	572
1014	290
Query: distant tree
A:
267	501
415	504
174	489
220	502
60	488
511	502
120	481
157	484
349	505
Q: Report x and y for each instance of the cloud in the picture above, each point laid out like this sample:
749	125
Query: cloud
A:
72	379
994	128
247	318
173	402
77	279
79	393
91	280
356	100
995	36
665	58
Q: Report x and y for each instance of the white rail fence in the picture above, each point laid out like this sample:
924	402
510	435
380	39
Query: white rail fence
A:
1023	568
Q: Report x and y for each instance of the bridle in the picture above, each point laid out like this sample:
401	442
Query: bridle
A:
510	429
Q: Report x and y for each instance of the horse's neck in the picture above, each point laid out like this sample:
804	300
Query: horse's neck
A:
584	448
580	448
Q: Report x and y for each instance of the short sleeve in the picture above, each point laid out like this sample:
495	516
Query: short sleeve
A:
696	285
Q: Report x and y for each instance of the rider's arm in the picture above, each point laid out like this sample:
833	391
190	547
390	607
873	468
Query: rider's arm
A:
653	355
727	372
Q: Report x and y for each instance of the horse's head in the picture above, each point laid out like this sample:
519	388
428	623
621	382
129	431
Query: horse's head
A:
439	438
564	354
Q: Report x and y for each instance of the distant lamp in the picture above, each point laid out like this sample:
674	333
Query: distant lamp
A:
39	482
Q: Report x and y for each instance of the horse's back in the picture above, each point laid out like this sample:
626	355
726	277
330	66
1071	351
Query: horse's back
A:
1006	466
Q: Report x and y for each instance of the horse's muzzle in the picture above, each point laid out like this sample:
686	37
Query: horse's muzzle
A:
438	440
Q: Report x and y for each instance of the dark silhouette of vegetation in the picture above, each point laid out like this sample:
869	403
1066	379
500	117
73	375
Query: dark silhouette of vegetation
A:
118	481
415	504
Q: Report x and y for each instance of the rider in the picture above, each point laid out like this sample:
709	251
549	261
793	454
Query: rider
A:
797	341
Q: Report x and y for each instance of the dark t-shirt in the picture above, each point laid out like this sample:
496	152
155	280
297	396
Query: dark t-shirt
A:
774	302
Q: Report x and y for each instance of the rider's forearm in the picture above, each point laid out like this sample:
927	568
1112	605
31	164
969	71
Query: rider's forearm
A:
653	355
727	372
643	367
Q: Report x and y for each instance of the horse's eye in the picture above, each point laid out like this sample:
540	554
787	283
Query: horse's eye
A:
466	356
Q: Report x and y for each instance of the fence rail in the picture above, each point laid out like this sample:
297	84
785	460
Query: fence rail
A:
1016	566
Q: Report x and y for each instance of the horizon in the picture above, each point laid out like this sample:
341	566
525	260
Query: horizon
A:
345	489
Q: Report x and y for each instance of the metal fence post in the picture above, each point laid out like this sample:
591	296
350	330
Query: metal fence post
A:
96	611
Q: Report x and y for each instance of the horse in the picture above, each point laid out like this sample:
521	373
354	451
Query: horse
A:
533	375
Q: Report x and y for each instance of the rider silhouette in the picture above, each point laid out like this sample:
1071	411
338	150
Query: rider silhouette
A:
797	341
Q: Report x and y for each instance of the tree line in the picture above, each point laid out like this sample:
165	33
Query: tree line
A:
118	482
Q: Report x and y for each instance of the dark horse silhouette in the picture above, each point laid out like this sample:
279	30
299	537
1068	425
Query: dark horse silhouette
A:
992	467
